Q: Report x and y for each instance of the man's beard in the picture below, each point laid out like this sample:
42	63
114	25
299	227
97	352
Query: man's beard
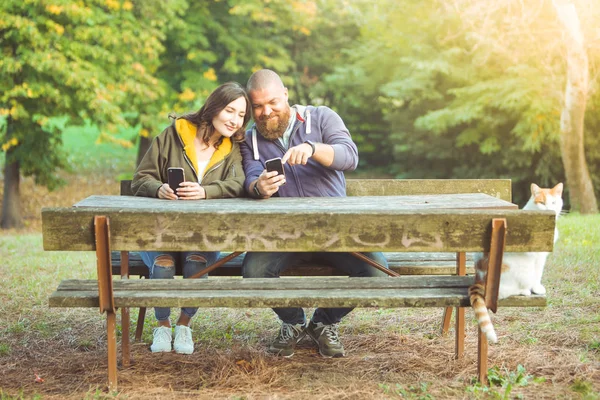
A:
273	126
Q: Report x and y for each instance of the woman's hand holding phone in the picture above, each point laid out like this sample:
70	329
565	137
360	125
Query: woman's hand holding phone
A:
185	191
166	193
191	191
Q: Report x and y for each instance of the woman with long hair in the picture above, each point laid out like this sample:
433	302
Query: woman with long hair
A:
205	145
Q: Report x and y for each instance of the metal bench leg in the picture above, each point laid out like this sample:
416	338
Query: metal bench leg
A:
492	282
139	329
216	265
111	338
461	270
459	350
125	323
125	348
374	264
446	320
105	294
459	346
482	357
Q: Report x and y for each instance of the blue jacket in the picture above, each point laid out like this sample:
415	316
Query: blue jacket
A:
319	125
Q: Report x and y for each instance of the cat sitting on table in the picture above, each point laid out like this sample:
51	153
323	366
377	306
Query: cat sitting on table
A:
521	273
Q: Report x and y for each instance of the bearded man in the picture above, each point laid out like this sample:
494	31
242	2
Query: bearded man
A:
315	148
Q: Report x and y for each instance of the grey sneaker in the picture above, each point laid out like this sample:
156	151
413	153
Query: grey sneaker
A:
327	338
288	337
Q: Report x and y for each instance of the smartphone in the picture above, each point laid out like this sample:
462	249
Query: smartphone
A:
275	164
175	177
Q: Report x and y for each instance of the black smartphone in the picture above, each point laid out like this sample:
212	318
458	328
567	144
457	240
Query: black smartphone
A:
275	164
175	175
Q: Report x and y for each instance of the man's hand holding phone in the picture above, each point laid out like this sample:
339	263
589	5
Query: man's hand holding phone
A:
271	178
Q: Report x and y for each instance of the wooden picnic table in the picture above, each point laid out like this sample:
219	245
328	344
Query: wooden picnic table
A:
455	223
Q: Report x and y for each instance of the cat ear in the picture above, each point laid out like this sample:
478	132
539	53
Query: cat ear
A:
535	189
558	189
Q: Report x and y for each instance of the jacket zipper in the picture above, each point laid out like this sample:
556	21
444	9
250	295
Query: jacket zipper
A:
214	167
185	157
191	166
298	184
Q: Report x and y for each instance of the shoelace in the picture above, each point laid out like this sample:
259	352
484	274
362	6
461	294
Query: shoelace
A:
287	332
187	335
162	335
331	331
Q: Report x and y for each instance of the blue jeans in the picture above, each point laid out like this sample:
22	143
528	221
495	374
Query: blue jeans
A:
270	265
192	262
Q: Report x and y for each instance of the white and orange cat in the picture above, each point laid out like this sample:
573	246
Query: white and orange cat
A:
521	273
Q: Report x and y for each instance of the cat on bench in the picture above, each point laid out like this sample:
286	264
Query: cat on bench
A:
521	273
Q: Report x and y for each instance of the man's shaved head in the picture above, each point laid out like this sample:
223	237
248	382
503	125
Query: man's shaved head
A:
269	100
263	79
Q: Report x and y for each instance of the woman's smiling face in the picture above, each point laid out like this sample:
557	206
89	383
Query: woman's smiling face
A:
231	118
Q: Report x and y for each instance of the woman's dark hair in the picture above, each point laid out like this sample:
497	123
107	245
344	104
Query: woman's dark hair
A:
214	104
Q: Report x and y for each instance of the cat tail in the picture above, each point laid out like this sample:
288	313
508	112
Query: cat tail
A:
481	312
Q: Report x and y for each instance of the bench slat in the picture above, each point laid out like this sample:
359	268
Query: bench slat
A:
500	188
406	291
308	283
90	299
316	270
436	297
311	270
402	263
395	258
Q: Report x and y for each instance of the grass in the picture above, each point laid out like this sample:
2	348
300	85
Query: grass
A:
393	353
89	150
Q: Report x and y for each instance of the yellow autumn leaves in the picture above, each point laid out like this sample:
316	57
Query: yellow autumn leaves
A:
189	95
11	143
116	5
211	75
111	4
108	138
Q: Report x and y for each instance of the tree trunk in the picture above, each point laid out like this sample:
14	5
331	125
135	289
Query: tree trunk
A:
142	148
572	117
11	210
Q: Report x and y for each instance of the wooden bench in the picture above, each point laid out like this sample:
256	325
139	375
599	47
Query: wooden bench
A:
407	224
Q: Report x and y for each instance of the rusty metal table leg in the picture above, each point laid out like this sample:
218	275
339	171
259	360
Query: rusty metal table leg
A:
105	294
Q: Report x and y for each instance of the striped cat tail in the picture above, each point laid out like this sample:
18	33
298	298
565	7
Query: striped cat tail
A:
481	312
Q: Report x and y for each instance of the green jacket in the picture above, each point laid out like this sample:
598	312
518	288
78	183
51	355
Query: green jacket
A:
174	147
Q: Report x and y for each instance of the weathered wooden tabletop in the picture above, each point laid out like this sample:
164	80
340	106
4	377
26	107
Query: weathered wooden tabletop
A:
354	204
359	223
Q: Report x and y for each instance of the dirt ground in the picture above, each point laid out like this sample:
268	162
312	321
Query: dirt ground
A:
379	365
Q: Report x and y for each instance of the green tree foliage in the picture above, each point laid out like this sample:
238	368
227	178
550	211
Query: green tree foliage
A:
442	88
221	41
90	59
465	89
